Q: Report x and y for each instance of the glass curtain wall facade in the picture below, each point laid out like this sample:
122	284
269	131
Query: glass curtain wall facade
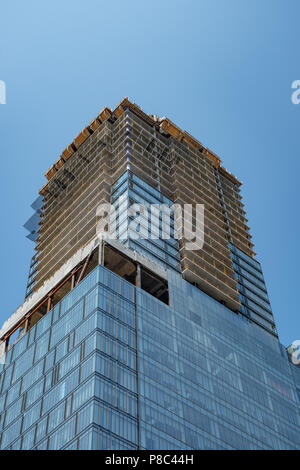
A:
129	189
112	367
252	288
73	375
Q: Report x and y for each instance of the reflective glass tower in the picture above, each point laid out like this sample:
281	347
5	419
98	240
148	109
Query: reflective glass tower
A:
139	342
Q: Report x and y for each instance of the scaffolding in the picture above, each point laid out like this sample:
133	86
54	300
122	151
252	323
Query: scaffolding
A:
167	158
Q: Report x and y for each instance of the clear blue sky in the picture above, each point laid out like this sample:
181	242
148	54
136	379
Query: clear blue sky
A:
221	69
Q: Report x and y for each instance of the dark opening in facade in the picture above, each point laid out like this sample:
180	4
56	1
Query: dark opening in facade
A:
135	273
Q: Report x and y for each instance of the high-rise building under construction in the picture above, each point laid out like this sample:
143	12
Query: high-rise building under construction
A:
141	342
